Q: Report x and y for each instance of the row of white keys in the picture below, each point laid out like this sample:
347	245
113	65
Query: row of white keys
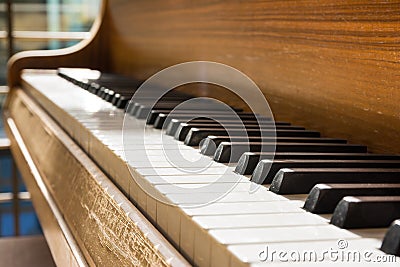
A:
195	240
207	244
189	232
228	231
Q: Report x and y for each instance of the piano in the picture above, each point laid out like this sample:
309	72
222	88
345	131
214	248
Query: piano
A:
314	180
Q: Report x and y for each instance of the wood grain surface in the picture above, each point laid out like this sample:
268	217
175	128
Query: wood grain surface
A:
330	65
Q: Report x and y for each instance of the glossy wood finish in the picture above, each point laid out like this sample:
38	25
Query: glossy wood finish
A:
330	65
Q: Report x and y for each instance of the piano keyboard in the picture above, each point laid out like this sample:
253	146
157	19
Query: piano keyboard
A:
308	175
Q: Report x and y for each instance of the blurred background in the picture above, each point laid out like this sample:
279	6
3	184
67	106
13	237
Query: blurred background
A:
32	25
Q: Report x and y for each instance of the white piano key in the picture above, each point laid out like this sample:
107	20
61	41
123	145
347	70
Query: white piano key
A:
195	239
184	153
121	141
106	133
199	198
102	123
175	147
280	234
182	228
166	158
148	140
268	253
207	223
258	220
285	206
205	162
173	171
226	237
199	187
377	233
196	179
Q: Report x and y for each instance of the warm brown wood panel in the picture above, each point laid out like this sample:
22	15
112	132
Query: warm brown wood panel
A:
331	65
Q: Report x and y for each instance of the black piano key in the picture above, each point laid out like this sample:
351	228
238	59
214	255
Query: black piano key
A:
77	82
101	93
122	102
175	124
144	110
184	128
94	88
109	96
210	144
163	120
113	82
155	113
115	98
118	96
391	241
169	105
249	160
366	212
151	119
151	98
323	198
135	106
195	135
62	74
231	152
174	127
129	106
266	169
137	101
141	111
302	180
116	80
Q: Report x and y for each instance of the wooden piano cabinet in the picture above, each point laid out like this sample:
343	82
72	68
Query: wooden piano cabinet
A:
331	65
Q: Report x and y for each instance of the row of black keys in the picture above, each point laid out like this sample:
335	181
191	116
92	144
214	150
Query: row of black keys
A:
339	177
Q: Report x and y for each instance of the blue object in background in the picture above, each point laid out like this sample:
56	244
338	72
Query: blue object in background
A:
28	222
